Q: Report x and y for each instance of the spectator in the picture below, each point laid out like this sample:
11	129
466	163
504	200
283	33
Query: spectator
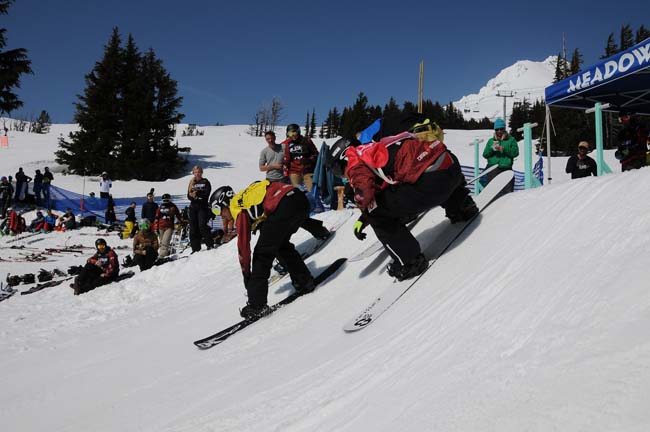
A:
109	215
129	222
149	208
164	221
6	192
632	142
38	186
100	269
271	159
67	221
16	223
47	182
105	185
581	165
38	224
21	185
500	150
300	156
50	220
145	246
198	192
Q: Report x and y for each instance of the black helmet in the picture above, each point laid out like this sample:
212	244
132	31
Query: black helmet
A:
100	241
293	128
337	161
220	198
166	197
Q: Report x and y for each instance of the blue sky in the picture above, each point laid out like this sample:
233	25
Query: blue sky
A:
231	57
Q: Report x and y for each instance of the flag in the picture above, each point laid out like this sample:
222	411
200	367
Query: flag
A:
538	169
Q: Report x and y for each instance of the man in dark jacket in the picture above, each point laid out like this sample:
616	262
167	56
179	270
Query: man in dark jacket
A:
166	215
300	156
149	208
100	269
581	165
48	178
632	142
21	185
6	192
38	186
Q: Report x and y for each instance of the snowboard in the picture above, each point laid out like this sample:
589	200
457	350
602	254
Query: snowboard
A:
433	251
224	334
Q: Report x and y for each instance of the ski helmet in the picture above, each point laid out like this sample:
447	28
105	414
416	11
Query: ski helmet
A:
144	224
337	161
293	128
3	178
100	242
166	197
221	197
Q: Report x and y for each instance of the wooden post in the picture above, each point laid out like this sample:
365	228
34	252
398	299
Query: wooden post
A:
339	192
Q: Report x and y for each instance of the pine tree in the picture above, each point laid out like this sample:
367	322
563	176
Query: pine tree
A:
307	124
312	124
13	64
335	126
576	62
355	119
561	68
391	108
627	37
642	34
43	123
611	47
127	118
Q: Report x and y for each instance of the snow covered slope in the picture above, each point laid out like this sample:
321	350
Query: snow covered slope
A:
535	320
526	79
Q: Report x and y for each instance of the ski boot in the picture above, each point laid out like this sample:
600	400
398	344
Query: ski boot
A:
409	270
250	311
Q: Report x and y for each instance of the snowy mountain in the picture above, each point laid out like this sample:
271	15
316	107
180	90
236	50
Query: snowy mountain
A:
524	324
525	80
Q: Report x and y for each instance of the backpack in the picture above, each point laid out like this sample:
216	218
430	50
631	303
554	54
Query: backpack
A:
251	200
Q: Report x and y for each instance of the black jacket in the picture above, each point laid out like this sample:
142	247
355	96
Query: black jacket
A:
579	168
149	211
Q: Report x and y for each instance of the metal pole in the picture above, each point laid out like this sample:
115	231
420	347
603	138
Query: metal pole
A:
548	142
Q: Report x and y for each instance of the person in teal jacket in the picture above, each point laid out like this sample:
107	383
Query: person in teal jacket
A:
500	150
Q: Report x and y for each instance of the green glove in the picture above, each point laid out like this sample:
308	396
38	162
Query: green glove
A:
359	226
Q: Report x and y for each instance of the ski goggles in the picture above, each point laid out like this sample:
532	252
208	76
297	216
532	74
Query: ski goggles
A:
292	134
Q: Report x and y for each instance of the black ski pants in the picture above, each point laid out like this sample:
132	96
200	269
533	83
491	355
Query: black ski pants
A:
398	203
275	235
199	229
145	262
89	279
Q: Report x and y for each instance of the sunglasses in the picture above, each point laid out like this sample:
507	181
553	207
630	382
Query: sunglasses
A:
500	130
292	134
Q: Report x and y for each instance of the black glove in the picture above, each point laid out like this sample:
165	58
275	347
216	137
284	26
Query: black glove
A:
359	226
247	278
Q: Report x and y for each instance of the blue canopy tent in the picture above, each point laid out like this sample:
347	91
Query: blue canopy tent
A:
621	81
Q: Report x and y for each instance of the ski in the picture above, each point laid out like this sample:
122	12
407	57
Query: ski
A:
224	334
434	251
44	285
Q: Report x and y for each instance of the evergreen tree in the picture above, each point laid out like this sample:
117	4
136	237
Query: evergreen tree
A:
312	124
642	34
576	62
356	118
611	47
307	124
127	118
43	123
627	37
561	68
391	108
335	126
13	64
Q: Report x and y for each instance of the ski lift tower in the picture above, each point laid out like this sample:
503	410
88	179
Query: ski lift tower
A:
505	95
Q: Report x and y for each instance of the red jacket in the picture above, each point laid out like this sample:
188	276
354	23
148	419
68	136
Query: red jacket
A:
274	194
165	215
372	167
299	156
108	261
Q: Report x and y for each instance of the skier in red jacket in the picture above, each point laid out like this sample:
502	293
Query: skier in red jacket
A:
394	180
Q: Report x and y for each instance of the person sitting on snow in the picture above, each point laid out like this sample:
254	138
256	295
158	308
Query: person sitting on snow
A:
395	179
276	210
66	221
37	224
145	246
50	220
100	269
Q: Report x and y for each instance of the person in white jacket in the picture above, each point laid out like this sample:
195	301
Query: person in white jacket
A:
105	185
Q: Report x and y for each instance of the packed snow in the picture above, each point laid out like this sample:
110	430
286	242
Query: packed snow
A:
535	319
